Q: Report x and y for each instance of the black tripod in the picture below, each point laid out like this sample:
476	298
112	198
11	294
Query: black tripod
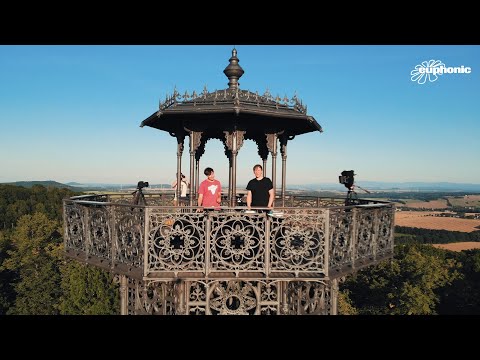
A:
138	197
352	198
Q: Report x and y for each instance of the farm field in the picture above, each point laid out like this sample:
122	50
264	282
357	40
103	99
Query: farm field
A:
465	201
426	220
434	204
458	246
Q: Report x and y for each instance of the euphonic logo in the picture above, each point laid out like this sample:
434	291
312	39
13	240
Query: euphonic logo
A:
429	70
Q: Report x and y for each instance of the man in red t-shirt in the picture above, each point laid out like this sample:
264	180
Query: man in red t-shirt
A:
210	191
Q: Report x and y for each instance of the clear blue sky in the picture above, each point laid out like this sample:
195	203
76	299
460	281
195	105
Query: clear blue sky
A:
72	113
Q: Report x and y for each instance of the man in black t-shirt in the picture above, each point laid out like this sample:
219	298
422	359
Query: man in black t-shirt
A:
260	190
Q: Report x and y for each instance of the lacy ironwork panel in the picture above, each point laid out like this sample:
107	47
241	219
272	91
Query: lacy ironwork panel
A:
132	291
364	246
234	297
269	297
153	298
385	231
340	246
297	241
100	233
197	298
176	241
237	242
157	298
75	237
129	224
308	298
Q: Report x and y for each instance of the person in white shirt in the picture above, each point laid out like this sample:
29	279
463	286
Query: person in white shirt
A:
183	188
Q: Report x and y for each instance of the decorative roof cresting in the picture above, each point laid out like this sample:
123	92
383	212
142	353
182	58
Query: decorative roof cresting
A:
232	96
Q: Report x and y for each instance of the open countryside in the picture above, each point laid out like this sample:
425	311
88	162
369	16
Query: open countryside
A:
448	213
433	220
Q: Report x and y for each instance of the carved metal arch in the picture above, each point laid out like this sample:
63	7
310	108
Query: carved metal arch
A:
196	140
284	139
271	143
261	141
201	149
228	140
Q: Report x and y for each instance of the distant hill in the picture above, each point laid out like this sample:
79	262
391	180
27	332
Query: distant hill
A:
74	184
79	187
47	183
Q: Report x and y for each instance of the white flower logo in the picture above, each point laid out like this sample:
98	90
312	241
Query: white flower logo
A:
426	71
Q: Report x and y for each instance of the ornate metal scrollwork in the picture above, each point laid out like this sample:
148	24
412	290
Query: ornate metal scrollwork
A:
247	263
196	141
272	144
230	136
232	298
152	298
129	227
237	243
341	223
100	233
238	96
385	238
297	243
75	238
365	233
307	298
176	242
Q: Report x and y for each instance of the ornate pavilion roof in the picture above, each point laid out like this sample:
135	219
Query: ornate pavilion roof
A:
231	109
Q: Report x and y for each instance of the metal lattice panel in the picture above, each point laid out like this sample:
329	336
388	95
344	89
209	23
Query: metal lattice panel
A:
365	233
176	241
308	298
228	297
153	298
129	223
100	233
385	231
340	246
237	243
228	261
297	242
233	297
74	227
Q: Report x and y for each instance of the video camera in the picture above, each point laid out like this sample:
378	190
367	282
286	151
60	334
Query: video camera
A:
346	178
142	184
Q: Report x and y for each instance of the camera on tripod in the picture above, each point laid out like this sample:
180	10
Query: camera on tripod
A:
347	178
138	197
142	184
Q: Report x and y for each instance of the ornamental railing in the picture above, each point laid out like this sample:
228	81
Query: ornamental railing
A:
311	238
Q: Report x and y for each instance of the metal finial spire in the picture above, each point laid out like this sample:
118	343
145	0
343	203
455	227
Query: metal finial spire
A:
233	71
